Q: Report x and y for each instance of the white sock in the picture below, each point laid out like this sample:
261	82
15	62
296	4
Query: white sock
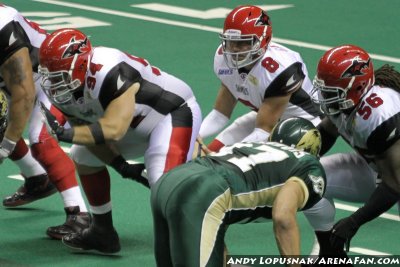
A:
29	166
73	197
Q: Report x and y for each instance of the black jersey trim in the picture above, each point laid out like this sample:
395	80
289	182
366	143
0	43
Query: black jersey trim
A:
162	101
20	37
384	136
279	86
122	72
301	99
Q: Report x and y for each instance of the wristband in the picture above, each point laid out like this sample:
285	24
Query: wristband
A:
7	145
97	133
66	135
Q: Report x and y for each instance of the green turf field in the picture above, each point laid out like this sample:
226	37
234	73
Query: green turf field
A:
180	37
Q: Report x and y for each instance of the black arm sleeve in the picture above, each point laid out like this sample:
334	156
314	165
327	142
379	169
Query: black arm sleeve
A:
286	82
381	200
13	37
327	140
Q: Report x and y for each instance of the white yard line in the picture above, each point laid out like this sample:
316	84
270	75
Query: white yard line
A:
197	26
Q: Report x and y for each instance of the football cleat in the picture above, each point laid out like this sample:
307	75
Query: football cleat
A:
94	239
34	188
76	221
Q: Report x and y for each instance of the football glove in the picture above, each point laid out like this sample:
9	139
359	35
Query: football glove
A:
342	232
54	128
130	171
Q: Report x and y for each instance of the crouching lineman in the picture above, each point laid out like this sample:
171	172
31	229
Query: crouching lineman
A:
242	182
19	46
120	103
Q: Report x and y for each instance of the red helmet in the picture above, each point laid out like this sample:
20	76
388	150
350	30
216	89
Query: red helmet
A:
344	74
63	62
247	33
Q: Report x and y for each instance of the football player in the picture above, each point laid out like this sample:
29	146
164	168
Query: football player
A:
19	46
242	183
362	107
269	78
117	102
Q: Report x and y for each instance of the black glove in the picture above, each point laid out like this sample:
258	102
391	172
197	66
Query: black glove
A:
130	171
342	232
54	128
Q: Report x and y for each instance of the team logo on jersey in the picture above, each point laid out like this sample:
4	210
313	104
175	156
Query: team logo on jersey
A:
253	79
243	76
318	184
74	47
263	20
242	89
356	69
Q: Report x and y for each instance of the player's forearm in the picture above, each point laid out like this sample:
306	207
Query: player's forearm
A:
213	123
17	74
380	201
19	113
287	236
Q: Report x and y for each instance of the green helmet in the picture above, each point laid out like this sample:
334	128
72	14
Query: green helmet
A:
298	133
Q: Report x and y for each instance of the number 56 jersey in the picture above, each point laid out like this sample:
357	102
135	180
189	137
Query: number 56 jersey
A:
374	125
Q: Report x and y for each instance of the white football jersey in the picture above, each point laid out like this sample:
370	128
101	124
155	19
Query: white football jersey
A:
111	72
16	32
278	72
374	125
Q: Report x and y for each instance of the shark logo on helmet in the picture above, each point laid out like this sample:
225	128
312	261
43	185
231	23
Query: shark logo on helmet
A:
74	47
356	68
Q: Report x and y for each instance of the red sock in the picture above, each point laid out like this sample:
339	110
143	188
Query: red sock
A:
97	187
59	166
20	150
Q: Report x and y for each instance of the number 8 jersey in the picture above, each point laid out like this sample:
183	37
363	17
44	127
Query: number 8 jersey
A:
277	73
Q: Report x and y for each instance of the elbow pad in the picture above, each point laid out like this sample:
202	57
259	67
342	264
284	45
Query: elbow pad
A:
213	123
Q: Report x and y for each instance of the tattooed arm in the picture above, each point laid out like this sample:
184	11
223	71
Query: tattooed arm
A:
17	74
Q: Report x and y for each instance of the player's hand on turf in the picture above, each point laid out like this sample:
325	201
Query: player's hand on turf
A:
342	232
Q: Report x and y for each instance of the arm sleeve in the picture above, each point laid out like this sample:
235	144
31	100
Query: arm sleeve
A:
257	135
213	123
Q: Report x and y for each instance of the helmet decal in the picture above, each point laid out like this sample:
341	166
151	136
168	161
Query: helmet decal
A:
74	47
263	20
356	68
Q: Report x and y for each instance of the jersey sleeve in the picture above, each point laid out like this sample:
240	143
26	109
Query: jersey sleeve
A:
13	38
286	82
311	175
385	135
117	81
